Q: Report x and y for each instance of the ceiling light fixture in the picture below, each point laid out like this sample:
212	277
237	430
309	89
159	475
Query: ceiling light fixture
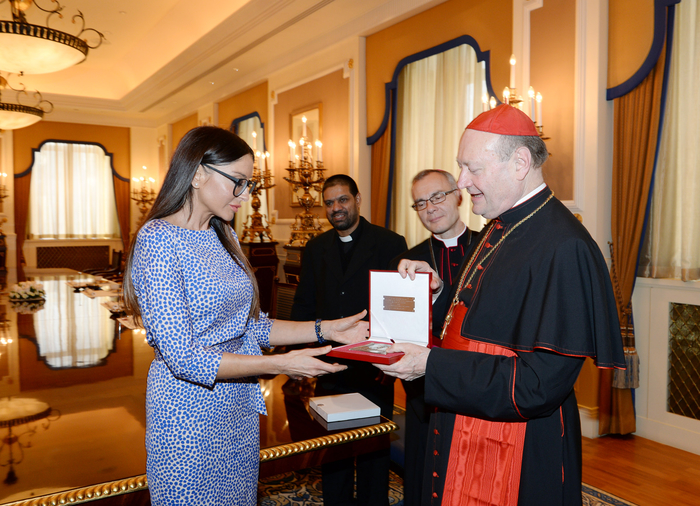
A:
36	49
14	115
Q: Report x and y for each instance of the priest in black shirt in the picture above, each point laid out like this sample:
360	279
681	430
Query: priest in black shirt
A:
334	280
533	300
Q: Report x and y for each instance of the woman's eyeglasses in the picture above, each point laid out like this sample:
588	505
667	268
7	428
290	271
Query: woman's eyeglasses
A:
240	184
438	197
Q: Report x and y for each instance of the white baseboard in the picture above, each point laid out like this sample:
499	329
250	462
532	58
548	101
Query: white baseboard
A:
670	435
589	421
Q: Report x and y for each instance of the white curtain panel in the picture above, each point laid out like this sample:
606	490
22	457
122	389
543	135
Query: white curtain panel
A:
672	246
245	132
72	193
437	98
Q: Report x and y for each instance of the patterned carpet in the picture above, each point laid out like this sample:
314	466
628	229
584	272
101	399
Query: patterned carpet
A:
303	488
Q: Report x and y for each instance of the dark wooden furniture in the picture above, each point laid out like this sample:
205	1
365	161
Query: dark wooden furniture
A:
263	258
98	439
282	300
292	266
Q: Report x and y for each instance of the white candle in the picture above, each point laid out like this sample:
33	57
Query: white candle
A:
492	102
319	145
255	140
512	71
531	94
538	97
291	151
506	95
485	102
303	120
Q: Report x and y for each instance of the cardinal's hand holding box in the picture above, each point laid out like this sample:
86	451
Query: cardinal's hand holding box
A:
400	312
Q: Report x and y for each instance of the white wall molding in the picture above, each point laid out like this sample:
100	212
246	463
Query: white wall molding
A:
593	122
589	421
650	302
521	41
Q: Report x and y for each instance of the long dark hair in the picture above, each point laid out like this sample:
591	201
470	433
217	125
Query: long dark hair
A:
204	144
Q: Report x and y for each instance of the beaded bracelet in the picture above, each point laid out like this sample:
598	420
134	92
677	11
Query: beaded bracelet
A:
319	332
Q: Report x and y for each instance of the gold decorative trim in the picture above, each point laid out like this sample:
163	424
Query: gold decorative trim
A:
277	452
119	487
87	494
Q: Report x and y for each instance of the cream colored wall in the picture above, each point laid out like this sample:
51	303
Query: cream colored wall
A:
332	93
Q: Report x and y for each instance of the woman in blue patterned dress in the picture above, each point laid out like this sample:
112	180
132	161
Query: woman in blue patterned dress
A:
192	287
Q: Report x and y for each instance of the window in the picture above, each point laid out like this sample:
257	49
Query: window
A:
72	193
437	97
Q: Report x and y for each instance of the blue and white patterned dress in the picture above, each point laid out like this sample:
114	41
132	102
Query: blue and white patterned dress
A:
202	435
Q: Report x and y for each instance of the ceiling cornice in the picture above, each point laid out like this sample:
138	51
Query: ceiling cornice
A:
192	62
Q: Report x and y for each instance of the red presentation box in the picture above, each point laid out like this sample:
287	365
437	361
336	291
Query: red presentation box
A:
400	312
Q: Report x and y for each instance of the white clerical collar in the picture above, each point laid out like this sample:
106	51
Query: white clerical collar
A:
452	241
345	238
531	194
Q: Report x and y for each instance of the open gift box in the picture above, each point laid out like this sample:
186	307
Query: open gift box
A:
400	311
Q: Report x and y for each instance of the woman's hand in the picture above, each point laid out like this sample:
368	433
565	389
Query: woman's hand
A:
410	267
303	363
346	330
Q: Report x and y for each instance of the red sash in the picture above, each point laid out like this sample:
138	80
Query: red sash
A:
485	456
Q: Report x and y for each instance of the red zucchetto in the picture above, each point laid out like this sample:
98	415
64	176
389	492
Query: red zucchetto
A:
504	120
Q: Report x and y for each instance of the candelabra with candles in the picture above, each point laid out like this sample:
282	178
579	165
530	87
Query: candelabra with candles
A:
3	192
303	175
511	97
263	179
144	196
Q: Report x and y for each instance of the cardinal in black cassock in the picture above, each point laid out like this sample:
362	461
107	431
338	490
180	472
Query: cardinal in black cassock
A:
533	301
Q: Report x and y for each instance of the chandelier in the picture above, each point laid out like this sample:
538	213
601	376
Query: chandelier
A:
27	48
15	115
36	49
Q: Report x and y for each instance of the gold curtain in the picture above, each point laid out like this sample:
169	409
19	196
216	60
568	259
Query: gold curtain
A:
22	185
637	116
381	157
123	202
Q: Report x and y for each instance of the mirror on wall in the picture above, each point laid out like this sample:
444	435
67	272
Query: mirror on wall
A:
251	129
306	122
313	124
244	127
